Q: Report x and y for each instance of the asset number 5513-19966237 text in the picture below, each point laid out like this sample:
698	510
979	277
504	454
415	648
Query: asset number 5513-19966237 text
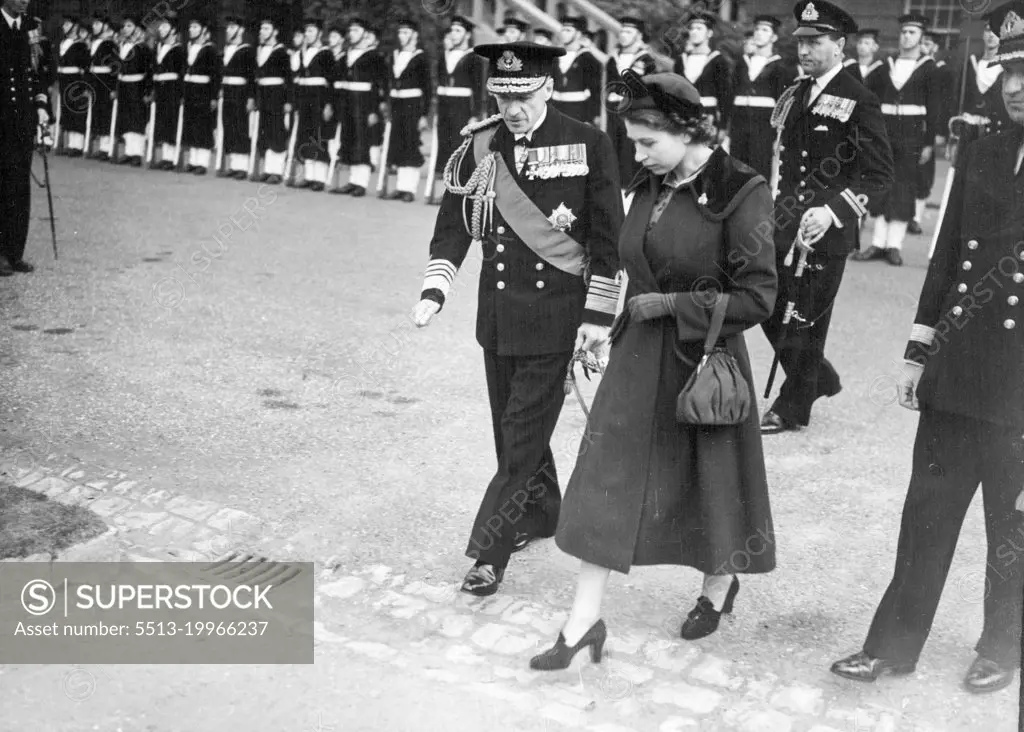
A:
201	628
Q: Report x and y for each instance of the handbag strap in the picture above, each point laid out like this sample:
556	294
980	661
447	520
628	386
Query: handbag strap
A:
717	320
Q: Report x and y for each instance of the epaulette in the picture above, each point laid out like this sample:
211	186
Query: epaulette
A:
783	106
469	130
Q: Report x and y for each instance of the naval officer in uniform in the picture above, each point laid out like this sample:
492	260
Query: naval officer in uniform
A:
540	191
834	163
967	339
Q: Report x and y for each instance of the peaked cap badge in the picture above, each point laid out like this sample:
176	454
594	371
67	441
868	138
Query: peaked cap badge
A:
510	62
810	13
1013	27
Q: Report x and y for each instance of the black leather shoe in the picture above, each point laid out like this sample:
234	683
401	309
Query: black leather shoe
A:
189	168
560	655
199	170
862	667
521	541
703	619
345	189
394	196
316	187
913	227
408	197
893	257
274	180
773	424
5	269
22	266
239	175
483	579
865	255
358	192
985	676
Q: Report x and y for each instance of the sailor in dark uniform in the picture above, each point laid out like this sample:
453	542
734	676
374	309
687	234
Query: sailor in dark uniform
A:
632	45
461	96
72	66
869	68
514	30
577	75
834	163
168	86
273	90
410	104
134	84
202	70
543	37
102	79
23	111
912	109
376	129
759	82
554	202
962	373
314	102
707	70
360	90
238	97
942	82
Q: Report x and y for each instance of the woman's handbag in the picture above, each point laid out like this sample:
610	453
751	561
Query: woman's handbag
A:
716	394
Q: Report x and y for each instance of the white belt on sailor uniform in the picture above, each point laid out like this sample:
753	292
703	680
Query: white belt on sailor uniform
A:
234	81
311	81
197	79
454	91
905	110
406	93
132	78
761	102
710	102
101	70
571	96
166	76
270	81
69	70
360	86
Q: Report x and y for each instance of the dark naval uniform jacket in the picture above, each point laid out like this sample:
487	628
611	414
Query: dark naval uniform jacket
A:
202	79
578	90
833	154
969	327
752	108
527	304
238	86
72	67
134	83
985	102
410	100
715	86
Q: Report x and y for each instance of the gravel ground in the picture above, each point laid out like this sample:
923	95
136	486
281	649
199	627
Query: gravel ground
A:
250	345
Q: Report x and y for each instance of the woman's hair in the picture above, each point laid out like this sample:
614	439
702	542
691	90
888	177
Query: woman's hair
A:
700	129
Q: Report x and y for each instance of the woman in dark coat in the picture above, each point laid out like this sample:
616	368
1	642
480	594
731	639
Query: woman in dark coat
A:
647	490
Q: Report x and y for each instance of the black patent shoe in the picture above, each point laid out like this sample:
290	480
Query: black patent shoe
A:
345	189
914	228
862	667
866	255
893	257
985	676
483	579
358	192
521	542
559	656
703	619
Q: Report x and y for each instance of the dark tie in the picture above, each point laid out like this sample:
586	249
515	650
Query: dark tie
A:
807	91
522	152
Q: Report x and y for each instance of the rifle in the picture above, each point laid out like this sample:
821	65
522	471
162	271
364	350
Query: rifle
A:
332	168
220	133
289	161
431	182
152	133
113	128
177	140
382	178
790	313
59	148
254	133
88	124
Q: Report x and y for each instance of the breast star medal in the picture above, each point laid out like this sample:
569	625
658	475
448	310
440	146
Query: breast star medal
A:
562	218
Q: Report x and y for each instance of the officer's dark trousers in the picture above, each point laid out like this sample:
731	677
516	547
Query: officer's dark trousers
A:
801	349
15	197
527	393
952	454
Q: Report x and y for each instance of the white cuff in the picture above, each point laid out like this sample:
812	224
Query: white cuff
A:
439	275
922	334
603	295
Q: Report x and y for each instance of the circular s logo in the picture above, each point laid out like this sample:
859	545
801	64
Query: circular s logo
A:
38	597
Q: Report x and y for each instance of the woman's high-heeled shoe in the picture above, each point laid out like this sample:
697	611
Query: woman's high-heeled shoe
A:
703	619
559	656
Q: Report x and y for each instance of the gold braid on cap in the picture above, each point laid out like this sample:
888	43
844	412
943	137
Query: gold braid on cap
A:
480	186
